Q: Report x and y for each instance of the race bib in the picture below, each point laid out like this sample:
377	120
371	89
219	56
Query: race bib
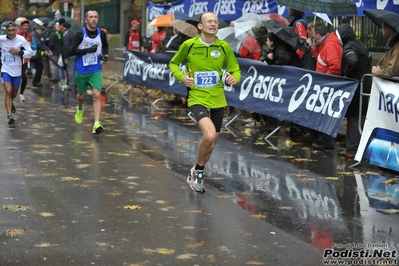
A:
9	60
90	59
206	79
136	44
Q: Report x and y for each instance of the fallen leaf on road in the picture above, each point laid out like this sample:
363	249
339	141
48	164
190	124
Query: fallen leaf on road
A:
285	208
186	256
15	208
114	194
132	207
46	214
254	263
306	179
50	174
196	245
221	196
194	211
162	251
70	178
389	211
17	232
258	216
46	245
82	185
148	165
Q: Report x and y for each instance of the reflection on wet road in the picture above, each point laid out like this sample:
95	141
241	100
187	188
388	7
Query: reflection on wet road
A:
314	196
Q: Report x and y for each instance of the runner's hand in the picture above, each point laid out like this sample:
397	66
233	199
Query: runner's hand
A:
230	79
187	80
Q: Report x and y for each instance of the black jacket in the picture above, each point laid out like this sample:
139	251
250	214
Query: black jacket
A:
356	62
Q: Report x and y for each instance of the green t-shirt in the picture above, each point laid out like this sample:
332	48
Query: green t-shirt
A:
206	64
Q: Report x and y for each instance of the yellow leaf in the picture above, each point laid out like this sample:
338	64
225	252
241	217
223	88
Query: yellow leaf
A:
114	194
15	208
166	209
258	216
50	174
143	263
288	157
162	251
143	191
298	160
17	232
160	201
82	185
132	207
148	165
306	179
194	211
254	262
345	173
188	227
46	245
224	196
123	154
69	178
289	143
81	166
46	214
389	211
285	208
391	181
186	256
196	245
332	178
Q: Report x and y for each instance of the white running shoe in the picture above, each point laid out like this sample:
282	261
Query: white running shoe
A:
21	97
195	179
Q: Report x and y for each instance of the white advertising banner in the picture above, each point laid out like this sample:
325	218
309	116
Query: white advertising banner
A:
379	144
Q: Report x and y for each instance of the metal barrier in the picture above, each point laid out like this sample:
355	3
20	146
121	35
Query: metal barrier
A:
363	96
119	63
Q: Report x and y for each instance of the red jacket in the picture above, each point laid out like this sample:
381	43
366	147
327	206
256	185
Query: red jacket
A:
29	37
250	49
134	40
157	37
328	55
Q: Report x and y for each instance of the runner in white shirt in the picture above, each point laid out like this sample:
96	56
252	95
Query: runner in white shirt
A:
13	48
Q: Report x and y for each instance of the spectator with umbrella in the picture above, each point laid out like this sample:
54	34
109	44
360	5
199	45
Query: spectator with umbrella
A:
388	65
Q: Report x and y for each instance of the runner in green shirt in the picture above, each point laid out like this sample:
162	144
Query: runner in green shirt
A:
205	57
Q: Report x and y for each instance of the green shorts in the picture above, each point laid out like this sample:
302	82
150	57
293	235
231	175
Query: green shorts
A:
94	80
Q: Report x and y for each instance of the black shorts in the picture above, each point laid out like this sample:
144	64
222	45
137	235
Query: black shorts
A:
216	115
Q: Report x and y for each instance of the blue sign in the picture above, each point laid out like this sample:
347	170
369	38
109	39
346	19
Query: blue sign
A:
308	98
232	9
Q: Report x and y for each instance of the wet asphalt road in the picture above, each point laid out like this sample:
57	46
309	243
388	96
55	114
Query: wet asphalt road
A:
70	198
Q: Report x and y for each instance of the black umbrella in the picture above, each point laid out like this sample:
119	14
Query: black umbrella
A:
333	7
194	20
378	16
285	33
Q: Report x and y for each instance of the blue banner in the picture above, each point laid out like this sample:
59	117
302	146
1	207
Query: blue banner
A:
304	97
232	9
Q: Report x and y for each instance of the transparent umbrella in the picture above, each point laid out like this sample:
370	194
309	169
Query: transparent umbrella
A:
246	22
